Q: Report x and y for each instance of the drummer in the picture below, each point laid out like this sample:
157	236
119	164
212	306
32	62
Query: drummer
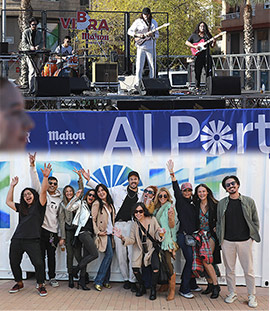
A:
63	50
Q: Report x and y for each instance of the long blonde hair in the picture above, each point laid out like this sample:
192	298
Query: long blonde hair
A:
156	201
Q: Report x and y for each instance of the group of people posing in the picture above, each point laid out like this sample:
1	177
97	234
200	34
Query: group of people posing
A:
133	221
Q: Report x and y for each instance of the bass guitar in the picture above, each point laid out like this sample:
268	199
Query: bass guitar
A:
203	44
140	41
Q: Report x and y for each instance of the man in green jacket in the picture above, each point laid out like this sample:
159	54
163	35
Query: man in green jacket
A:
237	227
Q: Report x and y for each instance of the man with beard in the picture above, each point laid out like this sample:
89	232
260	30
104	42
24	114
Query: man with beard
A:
237	227
124	198
146	44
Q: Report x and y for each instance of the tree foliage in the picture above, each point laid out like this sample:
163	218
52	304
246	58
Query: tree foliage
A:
184	15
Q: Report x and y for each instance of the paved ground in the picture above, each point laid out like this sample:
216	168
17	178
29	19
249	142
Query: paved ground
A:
117	298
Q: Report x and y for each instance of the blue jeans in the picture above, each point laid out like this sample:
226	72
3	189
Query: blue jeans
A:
186	282
104	271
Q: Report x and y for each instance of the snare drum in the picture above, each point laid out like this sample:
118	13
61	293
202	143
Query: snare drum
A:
66	72
49	69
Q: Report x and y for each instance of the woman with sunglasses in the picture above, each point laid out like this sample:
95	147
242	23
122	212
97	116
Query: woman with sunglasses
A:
166	216
144	253
103	213
84	232
148	198
207	205
189	222
67	234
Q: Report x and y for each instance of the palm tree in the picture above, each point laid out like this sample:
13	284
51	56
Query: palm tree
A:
248	36
25	14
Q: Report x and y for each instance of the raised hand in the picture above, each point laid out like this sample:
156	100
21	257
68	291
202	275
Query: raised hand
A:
78	193
14	181
78	172
117	232
170	212
32	158
85	174
47	170
170	165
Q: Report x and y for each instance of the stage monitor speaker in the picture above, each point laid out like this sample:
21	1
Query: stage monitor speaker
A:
105	72
3	48
77	85
224	85
52	86
154	87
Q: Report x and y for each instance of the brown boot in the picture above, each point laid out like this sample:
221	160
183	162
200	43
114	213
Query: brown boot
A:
171	287
163	288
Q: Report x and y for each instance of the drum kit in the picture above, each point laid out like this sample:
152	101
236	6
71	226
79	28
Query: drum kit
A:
69	69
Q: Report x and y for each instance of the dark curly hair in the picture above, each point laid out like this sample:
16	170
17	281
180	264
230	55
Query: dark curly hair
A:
228	177
23	209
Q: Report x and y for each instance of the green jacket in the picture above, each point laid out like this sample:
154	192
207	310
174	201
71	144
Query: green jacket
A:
250	214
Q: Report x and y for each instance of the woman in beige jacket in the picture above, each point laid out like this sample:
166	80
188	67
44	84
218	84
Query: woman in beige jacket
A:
144	253
103	214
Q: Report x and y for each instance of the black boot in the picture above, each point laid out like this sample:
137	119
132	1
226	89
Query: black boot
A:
215	292
81	283
208	289
140	290
75	271
153	292
70	281
87	281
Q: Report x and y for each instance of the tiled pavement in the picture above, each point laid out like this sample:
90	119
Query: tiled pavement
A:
117	298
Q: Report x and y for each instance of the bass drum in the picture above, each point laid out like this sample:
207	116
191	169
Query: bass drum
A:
49	69
66	72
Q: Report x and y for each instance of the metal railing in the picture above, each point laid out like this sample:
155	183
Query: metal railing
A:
229	16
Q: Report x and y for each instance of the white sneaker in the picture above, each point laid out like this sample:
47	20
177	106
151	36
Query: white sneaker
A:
53	283
187	295
252	302
230	298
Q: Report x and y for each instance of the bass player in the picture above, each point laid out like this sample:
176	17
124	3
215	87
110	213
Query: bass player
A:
202	58
146	45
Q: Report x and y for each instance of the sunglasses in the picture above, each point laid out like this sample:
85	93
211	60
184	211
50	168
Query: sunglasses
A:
68	41
189	190
139	211
163	196
33	24
148	191
91	195
233	183
52	183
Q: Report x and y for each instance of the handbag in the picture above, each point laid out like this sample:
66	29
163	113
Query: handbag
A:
189	240
164	271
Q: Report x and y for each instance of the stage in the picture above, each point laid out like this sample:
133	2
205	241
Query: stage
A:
105	100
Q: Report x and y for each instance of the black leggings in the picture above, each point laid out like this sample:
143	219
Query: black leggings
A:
202	61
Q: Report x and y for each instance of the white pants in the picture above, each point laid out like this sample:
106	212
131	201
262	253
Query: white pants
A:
124	253
140	60
230	250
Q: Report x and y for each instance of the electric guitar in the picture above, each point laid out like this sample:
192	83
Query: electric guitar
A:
140	41
202	44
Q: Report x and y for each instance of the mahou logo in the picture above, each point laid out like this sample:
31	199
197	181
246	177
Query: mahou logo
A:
66	137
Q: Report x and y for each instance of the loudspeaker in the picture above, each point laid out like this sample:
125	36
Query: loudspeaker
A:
3	48
224	85
52	86
104	72
77	85
155	87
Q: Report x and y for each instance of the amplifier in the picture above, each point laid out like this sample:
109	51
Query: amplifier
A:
105	72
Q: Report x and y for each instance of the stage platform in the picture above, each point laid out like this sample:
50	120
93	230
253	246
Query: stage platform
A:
177	100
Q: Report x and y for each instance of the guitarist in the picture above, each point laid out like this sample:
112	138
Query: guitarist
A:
203	58
146	45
